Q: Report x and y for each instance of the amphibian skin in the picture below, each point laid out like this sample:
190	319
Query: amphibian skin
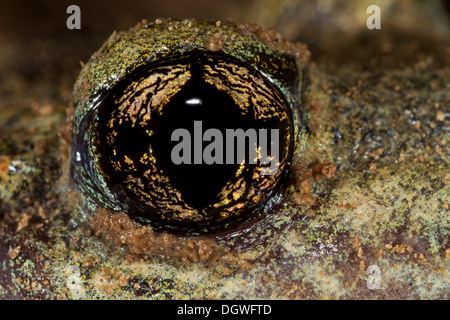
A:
379	102
145	86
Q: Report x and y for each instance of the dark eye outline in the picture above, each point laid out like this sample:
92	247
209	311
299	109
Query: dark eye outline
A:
279	65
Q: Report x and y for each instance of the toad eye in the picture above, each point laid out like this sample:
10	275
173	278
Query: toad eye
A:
187	139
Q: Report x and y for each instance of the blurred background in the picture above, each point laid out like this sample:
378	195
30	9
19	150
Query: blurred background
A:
319	23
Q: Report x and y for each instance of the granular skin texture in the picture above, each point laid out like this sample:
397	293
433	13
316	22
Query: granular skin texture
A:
379	102
275	40
304	199
120	230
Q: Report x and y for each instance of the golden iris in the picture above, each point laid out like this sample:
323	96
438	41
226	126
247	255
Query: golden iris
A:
125	143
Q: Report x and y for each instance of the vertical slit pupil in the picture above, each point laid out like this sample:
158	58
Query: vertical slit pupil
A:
196	101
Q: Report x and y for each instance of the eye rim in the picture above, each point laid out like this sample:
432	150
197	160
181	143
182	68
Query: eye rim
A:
93	85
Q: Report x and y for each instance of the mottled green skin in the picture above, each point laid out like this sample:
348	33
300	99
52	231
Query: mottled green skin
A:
124	52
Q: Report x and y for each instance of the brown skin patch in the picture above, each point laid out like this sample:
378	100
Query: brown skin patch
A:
274	40
65	131
120	230
302	175
4	164
216	42
324	169
315	108
303	199
305	175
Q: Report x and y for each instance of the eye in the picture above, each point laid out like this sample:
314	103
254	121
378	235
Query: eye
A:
181	137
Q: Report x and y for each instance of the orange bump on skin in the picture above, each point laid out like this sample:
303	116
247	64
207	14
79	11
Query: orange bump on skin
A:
303	178
376	153
216	42
305	186
440	116
4	164
23	223
13	253
303	199
326	169
302	175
